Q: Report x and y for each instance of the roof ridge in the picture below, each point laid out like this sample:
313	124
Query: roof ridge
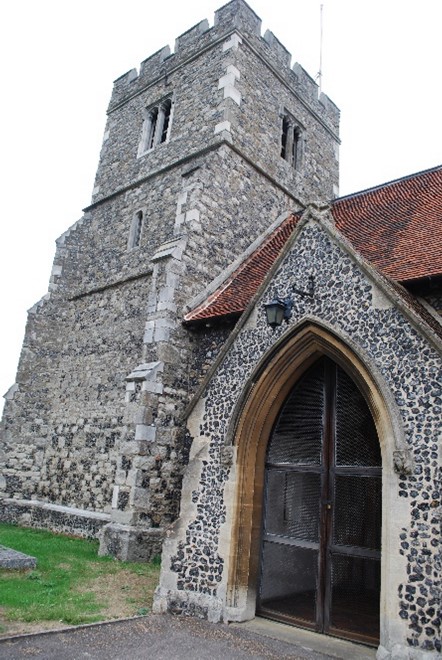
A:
387	184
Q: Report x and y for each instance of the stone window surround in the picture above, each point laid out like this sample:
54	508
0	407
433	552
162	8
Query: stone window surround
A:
136	229
292	139
156	117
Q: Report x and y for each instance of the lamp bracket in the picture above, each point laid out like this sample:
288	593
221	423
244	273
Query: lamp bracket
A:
288	306
310	289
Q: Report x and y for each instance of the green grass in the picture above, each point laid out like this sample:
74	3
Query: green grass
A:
61	588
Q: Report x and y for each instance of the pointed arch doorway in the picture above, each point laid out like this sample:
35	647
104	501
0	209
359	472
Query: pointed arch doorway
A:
321	534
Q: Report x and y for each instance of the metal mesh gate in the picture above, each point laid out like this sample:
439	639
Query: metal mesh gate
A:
320	561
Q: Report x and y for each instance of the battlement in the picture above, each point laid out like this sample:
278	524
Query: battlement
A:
277	51
238	14
235	16
187	41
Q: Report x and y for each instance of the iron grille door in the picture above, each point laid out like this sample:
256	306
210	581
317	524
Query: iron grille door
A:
354	545
320	560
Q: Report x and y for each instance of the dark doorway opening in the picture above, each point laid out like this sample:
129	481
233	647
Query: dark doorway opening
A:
321	542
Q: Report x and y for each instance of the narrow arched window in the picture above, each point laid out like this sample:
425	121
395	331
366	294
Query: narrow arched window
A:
284	136
166	108
296	147
156	126
152	120
291	141
136	230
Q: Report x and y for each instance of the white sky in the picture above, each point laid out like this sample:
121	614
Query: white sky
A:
58	59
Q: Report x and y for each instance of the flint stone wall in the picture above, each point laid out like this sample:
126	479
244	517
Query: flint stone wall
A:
196	554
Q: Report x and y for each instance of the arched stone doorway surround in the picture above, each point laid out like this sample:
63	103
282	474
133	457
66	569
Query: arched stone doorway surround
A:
255	416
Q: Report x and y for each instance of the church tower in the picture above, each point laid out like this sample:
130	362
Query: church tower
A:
204	149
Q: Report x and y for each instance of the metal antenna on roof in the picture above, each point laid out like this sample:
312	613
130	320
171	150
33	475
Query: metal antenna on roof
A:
319	75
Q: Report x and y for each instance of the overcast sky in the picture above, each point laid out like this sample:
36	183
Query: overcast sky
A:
58	59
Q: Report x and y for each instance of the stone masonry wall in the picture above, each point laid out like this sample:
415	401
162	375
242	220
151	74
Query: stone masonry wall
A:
218	222
83	342
64	425
94	420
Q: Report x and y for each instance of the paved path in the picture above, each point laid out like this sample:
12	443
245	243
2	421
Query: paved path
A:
173	638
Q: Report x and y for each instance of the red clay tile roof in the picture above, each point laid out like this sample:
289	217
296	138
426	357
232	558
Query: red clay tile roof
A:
396	226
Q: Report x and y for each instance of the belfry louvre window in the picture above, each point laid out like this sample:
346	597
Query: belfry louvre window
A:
291	142
135	230
156	126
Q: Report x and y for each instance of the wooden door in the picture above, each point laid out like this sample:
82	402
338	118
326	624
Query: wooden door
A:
320	554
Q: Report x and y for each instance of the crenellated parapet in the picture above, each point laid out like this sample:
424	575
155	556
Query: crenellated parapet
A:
236	16
277	51
191	39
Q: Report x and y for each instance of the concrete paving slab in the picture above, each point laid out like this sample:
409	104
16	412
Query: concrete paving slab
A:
12	559
309	641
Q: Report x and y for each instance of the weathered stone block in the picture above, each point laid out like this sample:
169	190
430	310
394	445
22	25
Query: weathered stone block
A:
130	543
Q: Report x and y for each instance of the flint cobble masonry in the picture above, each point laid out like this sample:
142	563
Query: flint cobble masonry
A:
346	301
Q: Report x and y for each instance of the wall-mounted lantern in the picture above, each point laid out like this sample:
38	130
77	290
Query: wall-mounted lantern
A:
280	309
277	311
